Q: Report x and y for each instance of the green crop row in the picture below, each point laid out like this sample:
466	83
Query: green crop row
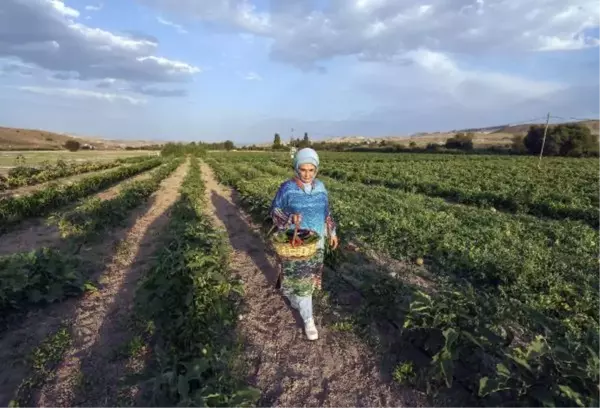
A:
562	188
192	302
26	176
94	214
38	277
503	274
53	196
502	252
48	275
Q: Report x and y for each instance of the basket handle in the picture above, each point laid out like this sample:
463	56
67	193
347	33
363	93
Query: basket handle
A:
296	228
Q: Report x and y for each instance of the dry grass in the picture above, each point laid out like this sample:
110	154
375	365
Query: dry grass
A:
26	139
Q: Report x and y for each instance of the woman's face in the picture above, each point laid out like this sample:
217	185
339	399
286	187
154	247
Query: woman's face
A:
307	172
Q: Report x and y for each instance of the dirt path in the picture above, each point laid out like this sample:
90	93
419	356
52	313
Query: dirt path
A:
33	233
336	370
90	371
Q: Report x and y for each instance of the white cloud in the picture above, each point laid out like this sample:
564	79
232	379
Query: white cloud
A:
61	8
56	40
457	79
82	94
555	43
380	29
238	13
431	80
172	67
177	27
252	76
92	7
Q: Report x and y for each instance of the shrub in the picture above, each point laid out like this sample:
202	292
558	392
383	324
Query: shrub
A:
229	145
460	141
72	145
518	144
570	139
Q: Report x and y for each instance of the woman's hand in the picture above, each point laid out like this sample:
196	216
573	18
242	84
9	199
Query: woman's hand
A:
334	242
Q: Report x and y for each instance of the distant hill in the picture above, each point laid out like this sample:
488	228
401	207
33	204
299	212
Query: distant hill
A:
500	135
489	129
522	129
25	139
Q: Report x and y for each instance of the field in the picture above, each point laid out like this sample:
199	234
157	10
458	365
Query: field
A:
511	249
461	280
10	159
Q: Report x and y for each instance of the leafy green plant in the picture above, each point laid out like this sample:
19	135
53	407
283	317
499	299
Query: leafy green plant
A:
542	374
190	299
404	373
94	214
26	176
502	278
38	277
40	202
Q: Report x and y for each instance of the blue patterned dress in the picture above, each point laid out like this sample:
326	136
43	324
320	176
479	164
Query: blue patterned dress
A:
312	203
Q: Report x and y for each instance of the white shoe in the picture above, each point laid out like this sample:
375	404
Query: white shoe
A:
311	330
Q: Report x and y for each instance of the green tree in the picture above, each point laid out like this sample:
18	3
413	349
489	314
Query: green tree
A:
277	142
72	145
305	142
569	139
229	145
460	141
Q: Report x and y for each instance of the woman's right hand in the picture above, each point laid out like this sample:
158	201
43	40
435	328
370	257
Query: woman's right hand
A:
296	219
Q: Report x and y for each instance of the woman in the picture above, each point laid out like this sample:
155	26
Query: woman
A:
304	200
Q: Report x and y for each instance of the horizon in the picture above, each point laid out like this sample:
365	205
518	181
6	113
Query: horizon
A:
285	140
243	70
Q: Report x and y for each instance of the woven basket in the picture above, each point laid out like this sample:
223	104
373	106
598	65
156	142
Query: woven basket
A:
286	250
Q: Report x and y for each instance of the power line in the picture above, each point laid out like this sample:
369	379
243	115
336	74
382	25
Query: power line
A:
573	118
541	118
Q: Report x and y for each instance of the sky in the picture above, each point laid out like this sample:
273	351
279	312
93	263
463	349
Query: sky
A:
210	70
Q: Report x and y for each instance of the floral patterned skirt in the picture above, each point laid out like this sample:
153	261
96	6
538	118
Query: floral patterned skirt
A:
300	277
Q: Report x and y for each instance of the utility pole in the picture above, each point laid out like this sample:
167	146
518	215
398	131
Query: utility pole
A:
544	139
292	147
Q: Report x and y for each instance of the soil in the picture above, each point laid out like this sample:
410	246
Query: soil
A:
339	369
89	374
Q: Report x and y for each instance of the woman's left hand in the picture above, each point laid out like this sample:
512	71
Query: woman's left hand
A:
333	241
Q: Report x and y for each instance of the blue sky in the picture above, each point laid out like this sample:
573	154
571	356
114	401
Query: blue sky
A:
245	69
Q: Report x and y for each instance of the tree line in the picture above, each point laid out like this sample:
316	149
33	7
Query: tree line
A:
569	139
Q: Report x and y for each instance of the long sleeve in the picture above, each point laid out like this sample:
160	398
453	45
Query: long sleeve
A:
280	217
